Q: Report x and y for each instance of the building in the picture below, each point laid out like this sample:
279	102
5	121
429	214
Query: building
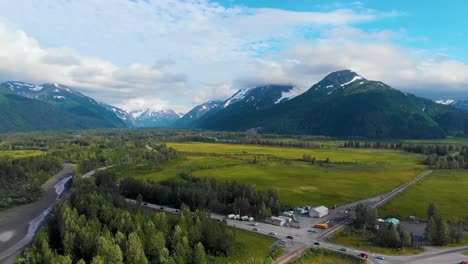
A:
393	221
275	221
318	212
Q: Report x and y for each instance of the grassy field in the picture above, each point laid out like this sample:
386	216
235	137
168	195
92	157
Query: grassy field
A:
20	153
320	256
446	188
465	253
361	240
353	174
248	246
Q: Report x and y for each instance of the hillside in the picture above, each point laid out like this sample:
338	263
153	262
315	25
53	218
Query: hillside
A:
18	113
197	112
21	113
62	97
243	102
345	104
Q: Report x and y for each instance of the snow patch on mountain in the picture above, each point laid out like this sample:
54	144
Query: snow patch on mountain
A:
355	78
446	102
285	96
236	97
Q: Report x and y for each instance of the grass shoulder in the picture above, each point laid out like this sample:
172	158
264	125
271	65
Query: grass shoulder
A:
321	256
248	248
463	242
362	240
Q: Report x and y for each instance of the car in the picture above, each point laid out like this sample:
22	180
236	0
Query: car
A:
177	211
272	233
344	249
317	243
312	230
464	262
145	204
379	257
255	229
161	208
289	237
364	255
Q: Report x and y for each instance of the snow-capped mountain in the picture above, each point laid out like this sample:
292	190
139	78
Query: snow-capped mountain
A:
55	91
460	104
263	96
336	81
154	117
244	101
197	112
62	97
120	113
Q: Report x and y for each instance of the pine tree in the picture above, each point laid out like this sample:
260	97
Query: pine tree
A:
135	253
199	255
109	251
432	211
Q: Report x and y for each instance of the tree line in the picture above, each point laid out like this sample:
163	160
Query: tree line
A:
427	149
21	178
438	156
456	160
95	225
204	194
94	156
439	231
385	234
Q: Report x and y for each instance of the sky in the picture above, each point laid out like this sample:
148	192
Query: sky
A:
179	53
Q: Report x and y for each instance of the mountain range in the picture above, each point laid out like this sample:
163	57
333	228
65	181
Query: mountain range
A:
343	104
70	109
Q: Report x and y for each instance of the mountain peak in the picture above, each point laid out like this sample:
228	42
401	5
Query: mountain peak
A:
342	78
337	81
154	117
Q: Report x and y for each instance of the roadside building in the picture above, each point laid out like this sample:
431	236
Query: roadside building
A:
275	221
318	212
393	221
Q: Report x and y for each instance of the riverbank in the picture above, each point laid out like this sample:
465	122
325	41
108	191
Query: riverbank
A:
15	222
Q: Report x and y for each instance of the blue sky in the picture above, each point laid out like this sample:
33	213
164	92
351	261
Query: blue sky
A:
179	53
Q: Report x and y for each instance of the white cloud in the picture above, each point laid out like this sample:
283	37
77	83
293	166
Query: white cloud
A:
400	67
22	58
177	53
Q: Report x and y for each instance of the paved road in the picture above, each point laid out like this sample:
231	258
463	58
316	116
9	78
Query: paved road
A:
18	225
